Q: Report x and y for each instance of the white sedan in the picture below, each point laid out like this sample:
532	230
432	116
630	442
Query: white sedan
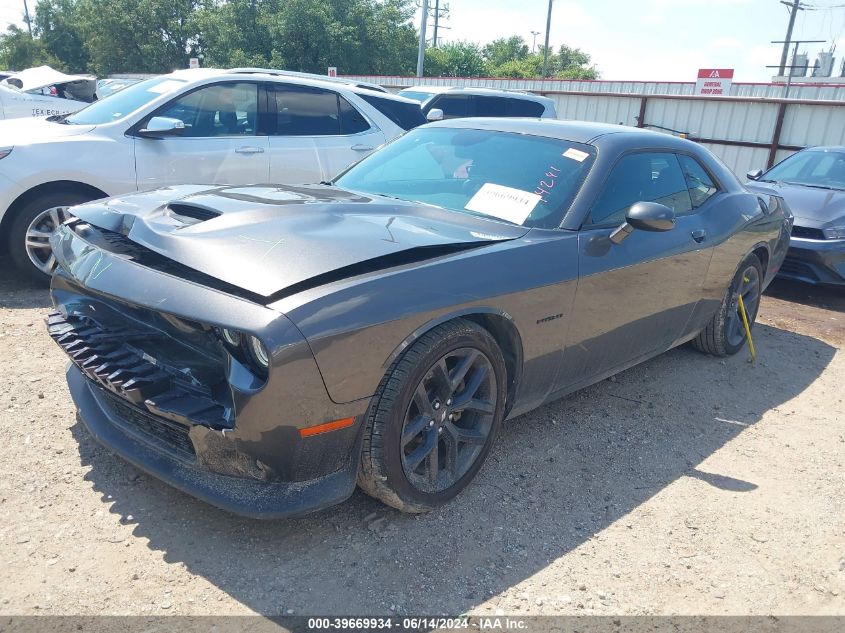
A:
192	126
42	91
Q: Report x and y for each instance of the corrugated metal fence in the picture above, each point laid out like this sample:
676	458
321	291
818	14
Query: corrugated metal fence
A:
753	127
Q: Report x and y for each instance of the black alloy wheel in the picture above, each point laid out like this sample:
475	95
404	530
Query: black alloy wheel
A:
449	419
434	418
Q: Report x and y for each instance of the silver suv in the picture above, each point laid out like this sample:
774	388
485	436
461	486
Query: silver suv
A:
450	102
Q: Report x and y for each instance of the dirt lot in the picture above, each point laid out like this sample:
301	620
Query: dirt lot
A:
685	485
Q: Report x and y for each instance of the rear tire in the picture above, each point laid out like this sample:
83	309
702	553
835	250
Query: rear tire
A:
30	230
434	418
725	334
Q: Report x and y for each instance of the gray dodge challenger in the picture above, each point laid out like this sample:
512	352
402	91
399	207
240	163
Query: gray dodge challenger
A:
264	348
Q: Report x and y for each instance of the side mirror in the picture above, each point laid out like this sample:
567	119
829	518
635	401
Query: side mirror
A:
435	114
754	174
160	126
645	216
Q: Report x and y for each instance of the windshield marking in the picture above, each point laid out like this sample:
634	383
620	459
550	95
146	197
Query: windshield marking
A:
505	203
575	154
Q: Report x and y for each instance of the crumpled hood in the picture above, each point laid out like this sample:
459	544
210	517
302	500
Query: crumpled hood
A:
43	76
26	131
812	207
265	239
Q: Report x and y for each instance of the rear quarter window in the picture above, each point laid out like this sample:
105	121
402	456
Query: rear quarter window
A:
525	108
405	115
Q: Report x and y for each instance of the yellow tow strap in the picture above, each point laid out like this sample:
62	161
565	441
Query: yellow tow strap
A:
744	315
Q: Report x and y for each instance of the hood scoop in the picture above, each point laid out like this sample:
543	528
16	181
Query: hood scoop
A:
190	213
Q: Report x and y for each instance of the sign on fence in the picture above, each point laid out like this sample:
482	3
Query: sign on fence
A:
715	82
332	71
194	62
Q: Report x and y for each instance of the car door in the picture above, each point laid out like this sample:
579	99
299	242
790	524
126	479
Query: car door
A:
634	298
221	142
315	134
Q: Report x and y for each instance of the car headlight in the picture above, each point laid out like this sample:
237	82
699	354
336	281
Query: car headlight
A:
258	353
5	151
230	337
834	233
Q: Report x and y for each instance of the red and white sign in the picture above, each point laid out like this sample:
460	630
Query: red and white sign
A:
194	62
714	82
332	71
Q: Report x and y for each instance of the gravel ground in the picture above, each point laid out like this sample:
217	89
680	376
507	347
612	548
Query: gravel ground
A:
685	485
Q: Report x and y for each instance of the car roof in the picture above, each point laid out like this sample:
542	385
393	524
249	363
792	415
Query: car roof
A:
825	148
481	90
305	79
576	131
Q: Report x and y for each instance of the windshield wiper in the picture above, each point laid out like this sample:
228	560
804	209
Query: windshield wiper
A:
59	118
805	184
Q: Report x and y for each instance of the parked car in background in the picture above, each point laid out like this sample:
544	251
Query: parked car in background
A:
106	87
204	125
42	91
265	347
455	102
812	182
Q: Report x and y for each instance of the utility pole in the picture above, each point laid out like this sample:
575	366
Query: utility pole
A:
784	67
534	43
436	21
546	48
421	50
794	6
28	21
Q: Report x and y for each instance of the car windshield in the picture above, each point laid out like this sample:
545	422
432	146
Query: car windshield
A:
522	179
117	105
422	97
819	168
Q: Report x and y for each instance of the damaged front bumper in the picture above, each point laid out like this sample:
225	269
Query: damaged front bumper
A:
153	383
240	495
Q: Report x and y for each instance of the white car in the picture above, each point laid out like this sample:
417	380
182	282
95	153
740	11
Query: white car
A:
42	91
199	126
452	102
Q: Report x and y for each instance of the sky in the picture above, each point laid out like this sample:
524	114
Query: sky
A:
649	40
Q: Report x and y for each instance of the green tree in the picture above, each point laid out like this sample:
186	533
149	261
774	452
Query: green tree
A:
455	59
572	63
56	25
504	50
19	51
236	33
137	35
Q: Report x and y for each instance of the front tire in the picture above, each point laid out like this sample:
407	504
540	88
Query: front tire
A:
434	418
725	334
29	235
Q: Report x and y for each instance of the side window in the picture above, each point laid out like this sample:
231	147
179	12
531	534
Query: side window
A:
220	110
305	111
452	105
351	121
405	115
641	177
699	182
525	108
490	106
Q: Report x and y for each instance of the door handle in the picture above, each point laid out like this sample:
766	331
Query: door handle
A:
362	148
699	235
249	150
